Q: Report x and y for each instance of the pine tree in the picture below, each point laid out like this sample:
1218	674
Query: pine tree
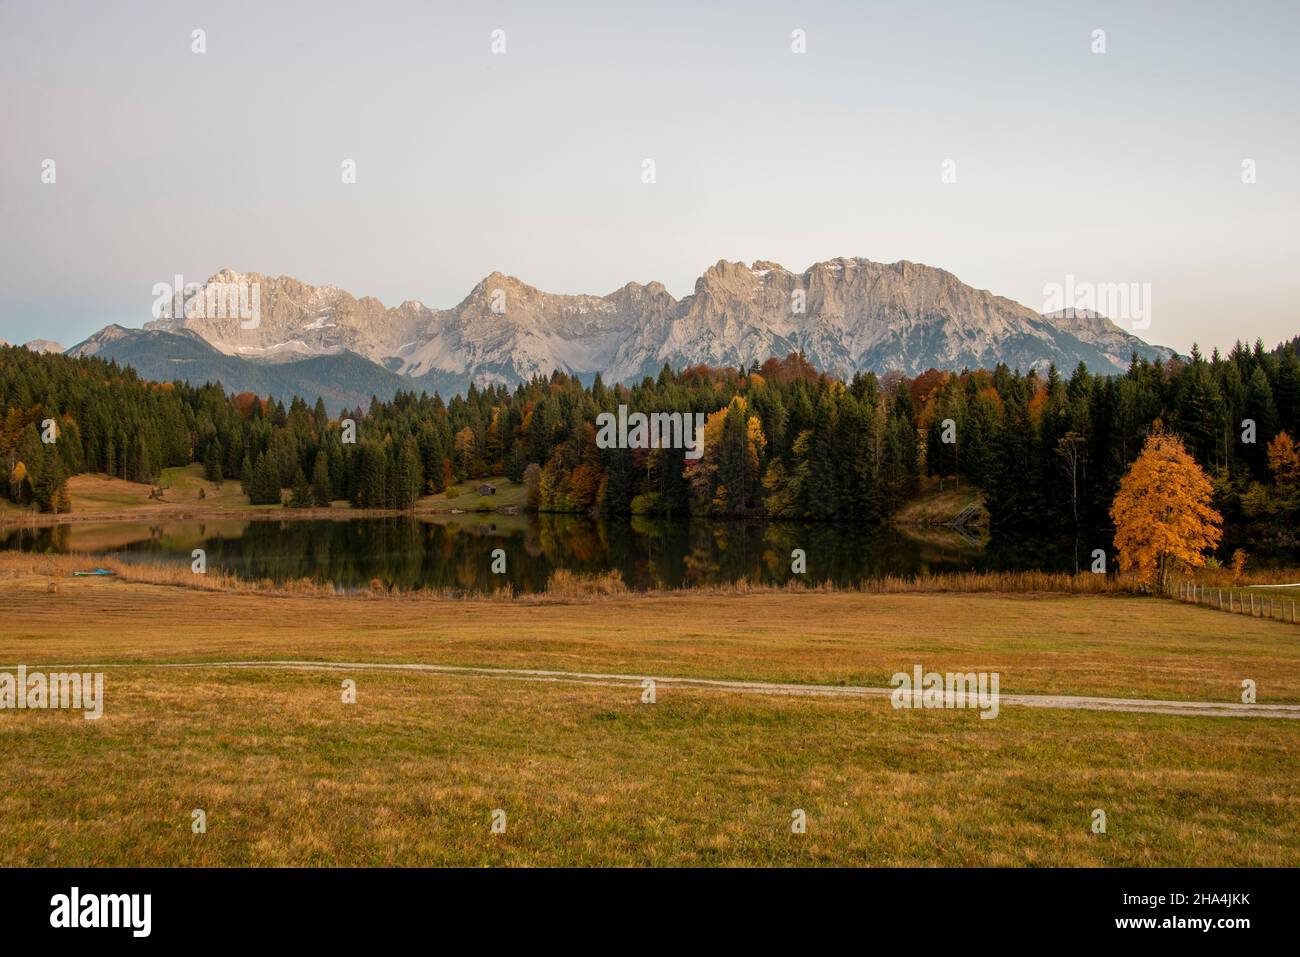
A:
1261	410
301	496
266	483
409	476
321	489
212	462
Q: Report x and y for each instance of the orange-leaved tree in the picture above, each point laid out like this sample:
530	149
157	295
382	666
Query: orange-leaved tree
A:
1284	460
1162	512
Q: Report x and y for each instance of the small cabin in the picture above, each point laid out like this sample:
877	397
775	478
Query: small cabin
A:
486	489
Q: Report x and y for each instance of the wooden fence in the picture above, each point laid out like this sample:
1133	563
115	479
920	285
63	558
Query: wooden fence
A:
1238	601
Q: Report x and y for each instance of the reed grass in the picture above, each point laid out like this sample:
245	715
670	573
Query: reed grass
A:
568	586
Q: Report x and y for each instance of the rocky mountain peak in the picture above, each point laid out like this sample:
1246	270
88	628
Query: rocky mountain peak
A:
845	314
43	345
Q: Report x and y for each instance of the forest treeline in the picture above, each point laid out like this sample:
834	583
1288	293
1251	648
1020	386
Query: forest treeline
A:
781	439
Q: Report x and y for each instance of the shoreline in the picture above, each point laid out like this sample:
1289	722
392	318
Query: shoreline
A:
271	513
281	513
56	571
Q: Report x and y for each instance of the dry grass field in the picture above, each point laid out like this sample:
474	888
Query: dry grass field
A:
1115	646
588	774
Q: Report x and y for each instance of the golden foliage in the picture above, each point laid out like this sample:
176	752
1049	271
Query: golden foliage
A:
1162	512
584	486
1238	565
1284	460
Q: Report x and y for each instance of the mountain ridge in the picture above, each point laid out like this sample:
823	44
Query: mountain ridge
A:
846	315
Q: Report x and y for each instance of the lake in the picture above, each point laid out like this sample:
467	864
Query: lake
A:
456	551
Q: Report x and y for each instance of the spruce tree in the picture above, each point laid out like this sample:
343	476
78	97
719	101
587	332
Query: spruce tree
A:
302	494
321	490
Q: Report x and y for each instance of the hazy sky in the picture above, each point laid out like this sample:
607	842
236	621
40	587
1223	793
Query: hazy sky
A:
1117	167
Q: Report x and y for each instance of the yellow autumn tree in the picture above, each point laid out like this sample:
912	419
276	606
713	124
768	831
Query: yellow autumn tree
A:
1162	512
704	475
1284	460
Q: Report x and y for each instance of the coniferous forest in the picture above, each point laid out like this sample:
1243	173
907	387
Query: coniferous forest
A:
781	440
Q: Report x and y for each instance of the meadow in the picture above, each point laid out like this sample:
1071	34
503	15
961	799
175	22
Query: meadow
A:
411	773
187	494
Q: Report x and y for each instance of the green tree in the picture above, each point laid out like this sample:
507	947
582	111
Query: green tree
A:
301	496
322	490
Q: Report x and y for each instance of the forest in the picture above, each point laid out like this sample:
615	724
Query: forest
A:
781	439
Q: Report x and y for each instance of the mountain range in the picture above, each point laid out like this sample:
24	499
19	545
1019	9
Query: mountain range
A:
845	315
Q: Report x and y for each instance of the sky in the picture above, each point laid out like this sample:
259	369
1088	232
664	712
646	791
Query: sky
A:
1122	166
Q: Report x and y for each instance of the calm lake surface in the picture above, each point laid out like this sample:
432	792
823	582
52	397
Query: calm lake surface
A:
455	551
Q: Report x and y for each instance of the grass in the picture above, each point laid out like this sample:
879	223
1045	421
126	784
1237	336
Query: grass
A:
935	506
84	541
1114	646
410	773
99	493
97	497
565	584
1279	604
465	496
83	544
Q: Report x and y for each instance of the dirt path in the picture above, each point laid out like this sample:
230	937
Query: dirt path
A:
1221	709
